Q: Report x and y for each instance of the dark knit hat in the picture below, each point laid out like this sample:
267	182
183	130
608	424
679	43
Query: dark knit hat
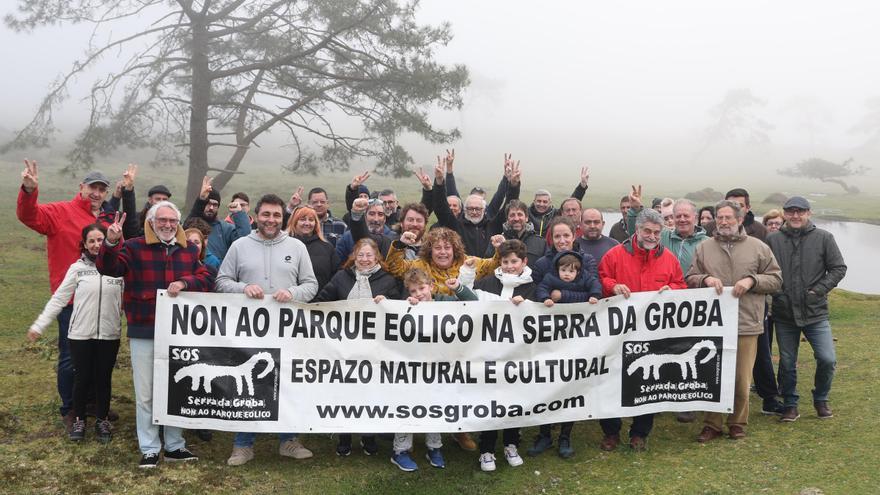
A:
214	195
362	189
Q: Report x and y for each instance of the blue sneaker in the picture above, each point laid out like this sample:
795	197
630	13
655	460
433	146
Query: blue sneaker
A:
435	457
404	462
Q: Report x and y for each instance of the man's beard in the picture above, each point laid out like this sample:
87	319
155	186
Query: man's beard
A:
474	220
376	228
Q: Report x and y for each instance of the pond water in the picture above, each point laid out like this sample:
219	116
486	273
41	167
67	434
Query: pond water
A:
859	243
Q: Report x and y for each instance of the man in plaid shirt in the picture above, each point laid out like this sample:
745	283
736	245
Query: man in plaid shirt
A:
161	259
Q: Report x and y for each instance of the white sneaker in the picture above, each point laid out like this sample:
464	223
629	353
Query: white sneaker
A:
487	461
512	456
240	456
292	448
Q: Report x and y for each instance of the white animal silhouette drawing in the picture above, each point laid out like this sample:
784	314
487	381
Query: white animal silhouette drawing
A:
687	361
202	374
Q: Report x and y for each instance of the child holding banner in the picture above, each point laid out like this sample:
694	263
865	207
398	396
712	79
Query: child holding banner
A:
419	285
569	281
511	281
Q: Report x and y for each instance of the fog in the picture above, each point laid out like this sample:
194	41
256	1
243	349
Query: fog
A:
626	88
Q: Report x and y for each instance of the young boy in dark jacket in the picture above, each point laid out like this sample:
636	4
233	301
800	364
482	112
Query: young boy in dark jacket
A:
568	282
512	281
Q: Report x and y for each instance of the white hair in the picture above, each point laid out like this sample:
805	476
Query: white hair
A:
151	214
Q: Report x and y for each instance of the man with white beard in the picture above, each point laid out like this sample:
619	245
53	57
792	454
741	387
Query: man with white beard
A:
148	263
366	218
268	263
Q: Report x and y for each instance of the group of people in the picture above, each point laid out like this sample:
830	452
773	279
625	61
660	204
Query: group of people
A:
106	255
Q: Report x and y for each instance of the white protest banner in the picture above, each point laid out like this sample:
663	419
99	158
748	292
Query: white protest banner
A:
226	362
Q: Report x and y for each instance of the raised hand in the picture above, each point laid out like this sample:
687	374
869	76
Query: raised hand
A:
635	197
114	231
128	176
359	205
357	180
449	160
29	178
585	176
471	261
424	179
497	240
408	238
296	198
234	207
515	173
206	188
440	171
453	284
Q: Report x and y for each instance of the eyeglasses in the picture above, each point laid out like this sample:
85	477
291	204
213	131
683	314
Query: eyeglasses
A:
167	221
795	211
474	208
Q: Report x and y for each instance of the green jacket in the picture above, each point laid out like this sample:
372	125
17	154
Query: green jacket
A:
811	266
682	248
463	293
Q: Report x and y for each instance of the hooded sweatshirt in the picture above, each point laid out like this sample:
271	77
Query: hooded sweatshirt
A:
279	263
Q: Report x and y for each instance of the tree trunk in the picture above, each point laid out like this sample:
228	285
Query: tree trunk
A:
198	121
223	178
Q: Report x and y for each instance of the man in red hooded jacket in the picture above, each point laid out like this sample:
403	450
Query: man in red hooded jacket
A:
640	264
62	223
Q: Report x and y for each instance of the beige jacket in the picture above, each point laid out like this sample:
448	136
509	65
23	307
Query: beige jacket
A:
730	261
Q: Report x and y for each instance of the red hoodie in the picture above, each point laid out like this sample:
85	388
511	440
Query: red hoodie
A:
640	270
62	223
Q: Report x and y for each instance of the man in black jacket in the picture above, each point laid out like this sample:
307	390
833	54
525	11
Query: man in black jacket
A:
811	266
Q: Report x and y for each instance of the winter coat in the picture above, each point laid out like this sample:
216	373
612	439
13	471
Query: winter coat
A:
222	234
382	283
638	269
62	223
97	304
730	262
147	265
502	286
581	289
325	262
541	221
812	265
618	231
546	265
398	266
474	236
274	264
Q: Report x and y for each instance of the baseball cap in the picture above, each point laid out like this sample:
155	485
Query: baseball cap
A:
95	177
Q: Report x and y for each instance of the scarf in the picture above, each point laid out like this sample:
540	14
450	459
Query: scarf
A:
361	288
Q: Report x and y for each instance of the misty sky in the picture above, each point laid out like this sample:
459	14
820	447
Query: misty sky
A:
612	84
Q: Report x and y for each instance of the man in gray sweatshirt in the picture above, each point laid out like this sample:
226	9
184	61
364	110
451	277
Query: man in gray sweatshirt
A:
268	262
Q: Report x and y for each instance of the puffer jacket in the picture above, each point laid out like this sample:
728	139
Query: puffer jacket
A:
581	289
731	261
97	304
812	265
639	269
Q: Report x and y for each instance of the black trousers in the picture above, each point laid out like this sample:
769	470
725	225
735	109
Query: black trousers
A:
93	362
763	373
641	426
564	429
488	439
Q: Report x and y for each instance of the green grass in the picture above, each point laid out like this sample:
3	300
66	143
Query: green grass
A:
834	456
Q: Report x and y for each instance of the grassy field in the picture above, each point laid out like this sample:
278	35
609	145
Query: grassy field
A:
834	456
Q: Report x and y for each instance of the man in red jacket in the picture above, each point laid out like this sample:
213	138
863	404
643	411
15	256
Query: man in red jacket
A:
62	223
640	264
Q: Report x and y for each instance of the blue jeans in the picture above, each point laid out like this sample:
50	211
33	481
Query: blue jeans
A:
788	338
247	439
64	372
142	374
